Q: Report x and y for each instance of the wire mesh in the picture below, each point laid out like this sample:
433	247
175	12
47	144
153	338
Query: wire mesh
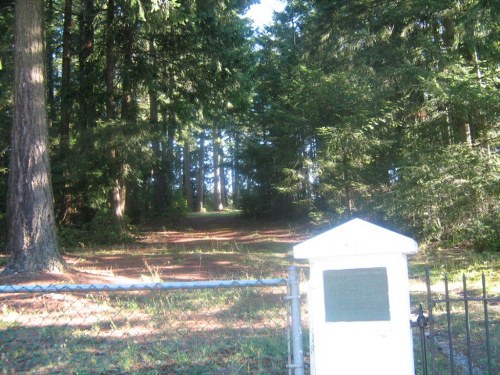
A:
239	328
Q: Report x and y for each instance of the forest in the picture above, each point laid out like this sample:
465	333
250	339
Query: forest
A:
383	110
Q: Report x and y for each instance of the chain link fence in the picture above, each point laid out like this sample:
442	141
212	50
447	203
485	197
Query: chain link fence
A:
217	327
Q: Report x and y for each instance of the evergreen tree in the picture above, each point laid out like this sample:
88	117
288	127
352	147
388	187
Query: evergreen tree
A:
31	231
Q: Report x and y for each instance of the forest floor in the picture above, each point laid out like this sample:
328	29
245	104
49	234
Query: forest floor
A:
203	247
224	245
218	246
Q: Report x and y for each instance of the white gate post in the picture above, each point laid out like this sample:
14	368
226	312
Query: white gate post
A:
359	305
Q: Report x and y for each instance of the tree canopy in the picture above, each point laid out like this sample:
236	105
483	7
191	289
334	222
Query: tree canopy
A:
383	110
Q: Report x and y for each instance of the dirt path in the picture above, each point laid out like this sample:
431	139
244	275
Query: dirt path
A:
205	247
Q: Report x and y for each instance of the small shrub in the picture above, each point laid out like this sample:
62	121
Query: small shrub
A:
69	237
254	206
102	230
105	229
484	233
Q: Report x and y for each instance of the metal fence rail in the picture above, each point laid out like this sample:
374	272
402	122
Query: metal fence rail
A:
216	327
214	284
213	327
456	337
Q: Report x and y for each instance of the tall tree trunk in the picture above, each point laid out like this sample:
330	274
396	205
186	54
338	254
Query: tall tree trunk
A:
465	133
115	167
119	194
51	87
159	183
168	129
86	98
347	181
86	107
31	234
66	106
448	136
168	157
223	180
483	132
216	164
110	62
188	188
66	102
127	108
201	174
236	171
159	180
119	169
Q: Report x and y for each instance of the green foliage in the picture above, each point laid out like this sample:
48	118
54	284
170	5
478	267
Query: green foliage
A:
103	229
384	111
70	237
253	205
177	207
483	233
449	196
339	109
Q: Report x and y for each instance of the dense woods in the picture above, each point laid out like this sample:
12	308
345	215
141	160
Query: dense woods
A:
385	110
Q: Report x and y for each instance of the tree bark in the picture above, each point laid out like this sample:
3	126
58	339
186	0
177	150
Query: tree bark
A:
188	188
127	113
201	174
464	130
127	110
119	196
223	180
66	107
169	126
236	171
118	192
159	181
66	77
110	62
31	231
86	98
50	52
217	177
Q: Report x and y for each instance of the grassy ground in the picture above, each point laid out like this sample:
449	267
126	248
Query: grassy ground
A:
210	331
458	265
152	333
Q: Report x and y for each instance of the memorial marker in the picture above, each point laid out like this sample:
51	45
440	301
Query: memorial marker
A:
358	296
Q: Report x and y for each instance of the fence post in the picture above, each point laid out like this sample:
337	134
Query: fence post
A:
294	300
421	323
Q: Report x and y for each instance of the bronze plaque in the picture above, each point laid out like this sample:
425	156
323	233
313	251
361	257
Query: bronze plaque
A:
356	295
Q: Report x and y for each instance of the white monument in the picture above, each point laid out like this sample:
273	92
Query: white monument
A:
358	296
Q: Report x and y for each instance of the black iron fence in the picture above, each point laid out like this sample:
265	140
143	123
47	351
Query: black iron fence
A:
460	333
